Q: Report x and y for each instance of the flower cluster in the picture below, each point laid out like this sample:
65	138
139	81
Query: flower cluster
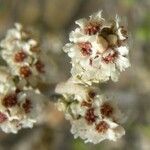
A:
23	56
98	49
21	103
93	117
19	108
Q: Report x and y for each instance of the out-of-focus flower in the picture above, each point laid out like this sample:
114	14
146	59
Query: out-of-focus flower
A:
98	49
19	107
23	57
93	117
20	110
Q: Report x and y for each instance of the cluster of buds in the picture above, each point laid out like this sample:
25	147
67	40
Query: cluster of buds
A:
21	103
23	56
98	51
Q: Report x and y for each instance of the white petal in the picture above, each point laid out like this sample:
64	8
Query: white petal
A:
122	63
123	50
81	22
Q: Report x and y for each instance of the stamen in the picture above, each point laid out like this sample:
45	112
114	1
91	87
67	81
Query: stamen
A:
102	127
20	56
92	28
106	110
85	48
25	71
90	116
10	100
110	58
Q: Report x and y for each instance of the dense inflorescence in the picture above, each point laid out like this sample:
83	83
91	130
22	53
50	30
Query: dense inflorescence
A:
98	50
21	103
23	56
93	117
19	108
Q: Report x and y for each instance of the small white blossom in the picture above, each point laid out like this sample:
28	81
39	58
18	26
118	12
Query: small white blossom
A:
98	49
87	27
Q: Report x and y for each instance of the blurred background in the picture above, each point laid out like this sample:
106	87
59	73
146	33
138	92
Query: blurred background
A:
50	22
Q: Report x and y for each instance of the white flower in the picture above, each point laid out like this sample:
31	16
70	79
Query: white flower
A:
12	37
24	58
98	50
108	109
87	27
36	102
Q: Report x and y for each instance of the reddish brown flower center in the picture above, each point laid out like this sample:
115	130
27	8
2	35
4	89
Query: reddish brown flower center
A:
110	58
3	117
27	106
25	71
20	56
40	66
92	28
85	48
102	127
106	110
10	100
90	116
